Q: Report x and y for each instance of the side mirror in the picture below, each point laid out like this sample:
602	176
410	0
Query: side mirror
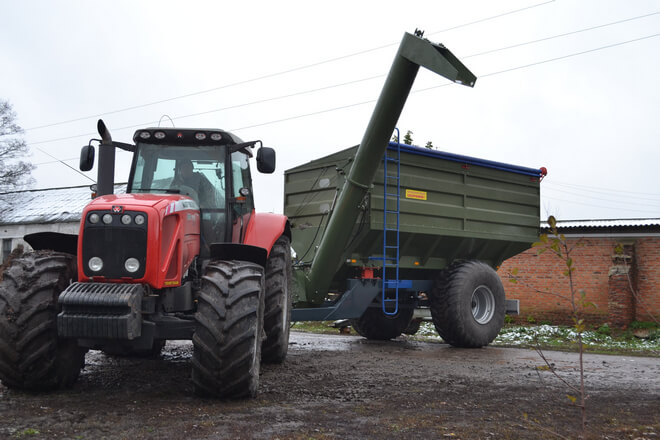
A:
86	158
266	160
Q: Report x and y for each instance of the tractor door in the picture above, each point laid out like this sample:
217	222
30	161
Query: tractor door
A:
241	199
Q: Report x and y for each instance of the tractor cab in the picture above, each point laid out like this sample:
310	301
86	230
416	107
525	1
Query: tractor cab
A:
209	166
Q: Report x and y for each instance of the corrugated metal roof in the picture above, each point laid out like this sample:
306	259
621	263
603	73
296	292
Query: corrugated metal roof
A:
621	223
46	205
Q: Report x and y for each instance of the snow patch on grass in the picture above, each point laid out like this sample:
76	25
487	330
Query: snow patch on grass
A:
557	336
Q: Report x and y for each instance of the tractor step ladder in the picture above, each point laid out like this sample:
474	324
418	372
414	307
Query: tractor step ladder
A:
391	214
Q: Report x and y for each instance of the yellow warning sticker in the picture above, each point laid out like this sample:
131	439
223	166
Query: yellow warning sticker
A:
171	283
415	194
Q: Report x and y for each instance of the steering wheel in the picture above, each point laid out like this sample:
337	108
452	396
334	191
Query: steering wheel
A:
188	191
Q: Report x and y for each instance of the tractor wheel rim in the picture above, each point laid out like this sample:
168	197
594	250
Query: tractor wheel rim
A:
483	304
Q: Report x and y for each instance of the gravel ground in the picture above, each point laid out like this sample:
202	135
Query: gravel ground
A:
347	387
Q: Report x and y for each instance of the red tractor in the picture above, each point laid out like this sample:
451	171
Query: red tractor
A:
181	255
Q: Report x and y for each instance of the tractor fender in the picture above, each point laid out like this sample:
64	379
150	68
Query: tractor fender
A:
55	241
264	229
239	252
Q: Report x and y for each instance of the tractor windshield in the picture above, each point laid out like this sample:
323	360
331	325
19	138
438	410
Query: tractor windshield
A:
195	171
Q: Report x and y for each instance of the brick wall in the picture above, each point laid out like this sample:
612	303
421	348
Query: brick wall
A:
605	276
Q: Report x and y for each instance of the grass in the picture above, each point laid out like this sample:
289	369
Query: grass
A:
548	337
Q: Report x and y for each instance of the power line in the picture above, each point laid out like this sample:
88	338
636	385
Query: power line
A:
599	189
283	72
590	197
449	84
66	165
573	202
568	56
55	161
379	76
513	46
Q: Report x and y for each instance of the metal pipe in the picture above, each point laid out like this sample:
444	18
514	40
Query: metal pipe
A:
413	52
105	183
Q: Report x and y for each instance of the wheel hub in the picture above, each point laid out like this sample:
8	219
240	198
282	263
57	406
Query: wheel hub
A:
483	304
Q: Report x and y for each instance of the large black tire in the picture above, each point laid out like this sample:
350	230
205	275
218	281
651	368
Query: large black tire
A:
277	316
468	305
31	355
229	330
413	327
374	324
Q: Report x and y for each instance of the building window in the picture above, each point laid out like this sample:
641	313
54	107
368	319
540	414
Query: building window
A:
6	248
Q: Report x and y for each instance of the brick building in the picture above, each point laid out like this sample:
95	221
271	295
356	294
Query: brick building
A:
624	287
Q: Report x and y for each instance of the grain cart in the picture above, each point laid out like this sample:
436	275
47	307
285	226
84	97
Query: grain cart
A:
382	228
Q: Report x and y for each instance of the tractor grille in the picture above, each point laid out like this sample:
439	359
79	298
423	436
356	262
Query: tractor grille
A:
114	244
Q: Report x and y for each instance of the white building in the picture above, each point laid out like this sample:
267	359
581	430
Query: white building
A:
42	210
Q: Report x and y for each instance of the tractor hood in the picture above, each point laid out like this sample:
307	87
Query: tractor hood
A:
156	201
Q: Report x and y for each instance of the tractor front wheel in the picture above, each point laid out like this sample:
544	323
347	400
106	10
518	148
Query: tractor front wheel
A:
228	330
31	355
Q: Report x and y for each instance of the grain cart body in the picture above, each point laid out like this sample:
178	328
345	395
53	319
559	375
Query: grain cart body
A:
452	207
372	245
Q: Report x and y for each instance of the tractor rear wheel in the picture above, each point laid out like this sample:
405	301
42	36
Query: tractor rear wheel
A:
374	324
31	355
229	330
277	316
468	305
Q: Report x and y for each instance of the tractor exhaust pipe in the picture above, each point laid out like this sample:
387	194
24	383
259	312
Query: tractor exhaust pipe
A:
105	182
414	51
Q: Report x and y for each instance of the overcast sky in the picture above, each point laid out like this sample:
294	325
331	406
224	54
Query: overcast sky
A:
585	105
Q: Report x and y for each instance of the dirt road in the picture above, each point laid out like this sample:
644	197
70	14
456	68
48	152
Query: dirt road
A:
348	387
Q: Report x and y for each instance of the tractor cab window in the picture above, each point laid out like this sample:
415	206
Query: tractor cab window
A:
242	183
241	193
195	171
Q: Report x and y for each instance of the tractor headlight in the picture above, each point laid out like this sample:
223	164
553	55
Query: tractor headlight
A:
107	219
94	218
139	219
95	264
132	265
126	219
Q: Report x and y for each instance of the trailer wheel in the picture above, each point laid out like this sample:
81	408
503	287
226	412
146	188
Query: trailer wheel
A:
31	355
277	315
467	304
229	330
374	324
413	327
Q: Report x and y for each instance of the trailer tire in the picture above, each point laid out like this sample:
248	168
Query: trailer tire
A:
374	324
32	357
229	330
468	305
277	314
413	327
